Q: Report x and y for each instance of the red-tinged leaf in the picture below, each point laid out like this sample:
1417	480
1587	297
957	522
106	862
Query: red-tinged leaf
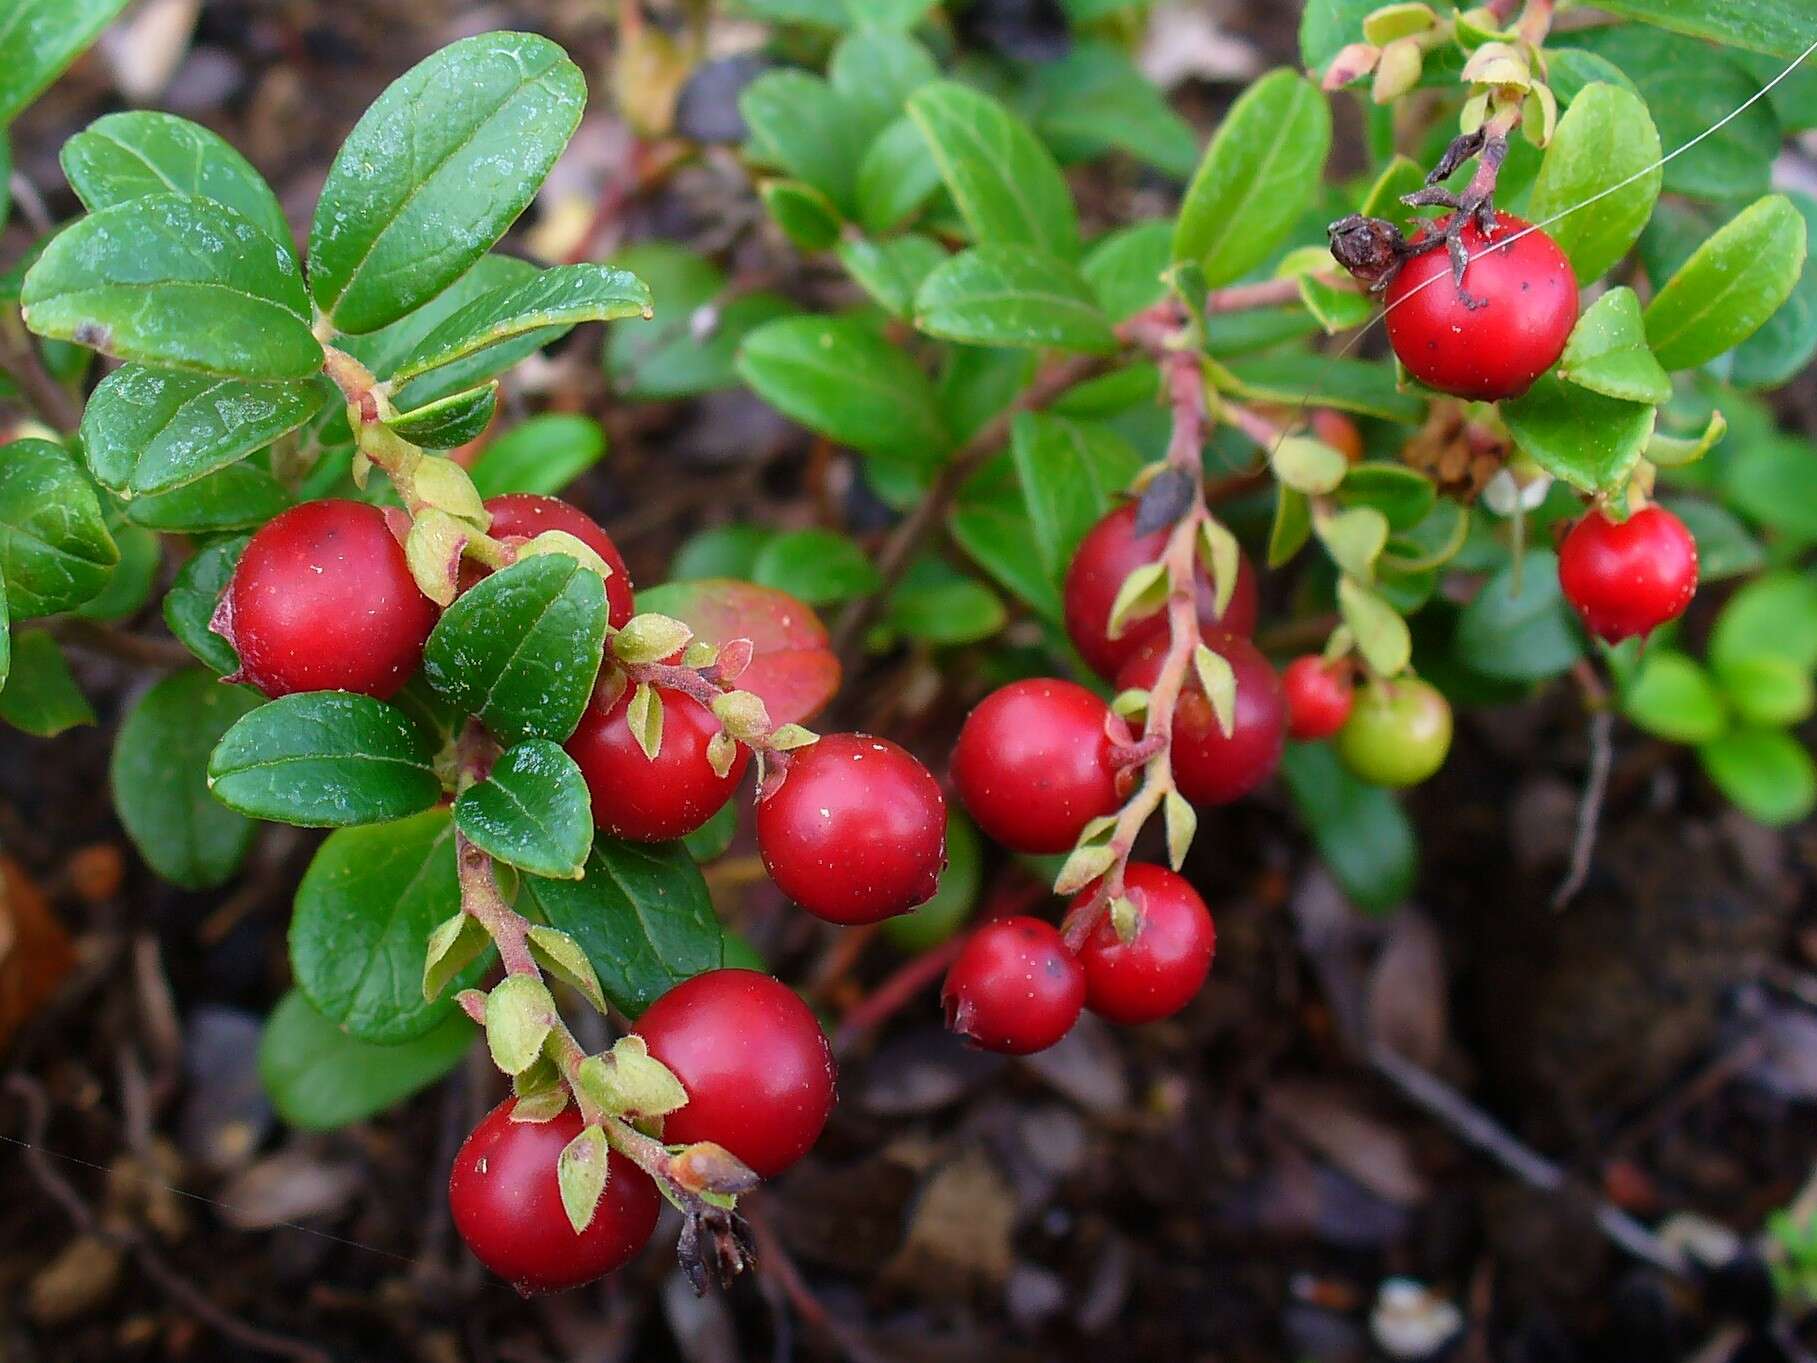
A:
791	667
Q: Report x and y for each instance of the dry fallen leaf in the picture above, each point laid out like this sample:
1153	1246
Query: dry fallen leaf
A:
35	951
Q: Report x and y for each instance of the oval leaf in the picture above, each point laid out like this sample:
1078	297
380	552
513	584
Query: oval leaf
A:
1606	136
1590	441
191	602
451	421
55	552
319	1078
531	811
1730	285
1012	296
41	38
792	669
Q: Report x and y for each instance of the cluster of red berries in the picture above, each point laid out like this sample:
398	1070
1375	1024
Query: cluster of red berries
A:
759	1076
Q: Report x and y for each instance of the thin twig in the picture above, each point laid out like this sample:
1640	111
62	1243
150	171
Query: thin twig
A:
1596	782
55	404
90	636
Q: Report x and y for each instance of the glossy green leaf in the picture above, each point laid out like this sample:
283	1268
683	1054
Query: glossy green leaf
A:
1124	268
159	774
40	696
801	125
531	811
1403	495
1094	99
319	1078
175	281
1363	386
42	37
642	915
1779	28
839	377
451	421
1670	695
1774	615
360	929
130	585
1775	482
818	566
133	155
1608	353
324	759
1362	834
896	176
542	455
1768	690
55	552
1605	137
520	650
941	607
1005	183
1787	340
1590	441
234	498
1012	296
1069	471
436	171
1768	773
1259	173
990	521
722	551
892	271
1519	627
147	431
807	217
690	345
1730	286
874	72
191	601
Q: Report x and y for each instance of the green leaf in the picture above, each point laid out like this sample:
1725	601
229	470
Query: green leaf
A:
801	125
710	841
159	774
1730	286
1363	386
991	523
39	696
1012	296
688	348
888	14
891	271
1775	616
1519	627
436	171
935	605
240	495
324	759
562	297
1124	268
1787	340
320	1078
531	811
41	38
449	422
1069	472
1291	527
1724	547
55	552
818	566
936	921
1768	691
191	601
133	155
1670	695
129	588
1362	834
807	217
1403	495
1259	174
1605	137
896	176
1005	183
360	930
1590	441
542	455
1607	352
175	281
520	649
1094	99
839	377
642	915
874	73
147	431
1779	28
723	551
1768	773
1381	634
1775	482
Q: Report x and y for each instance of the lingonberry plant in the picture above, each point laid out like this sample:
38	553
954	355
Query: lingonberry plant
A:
1132	429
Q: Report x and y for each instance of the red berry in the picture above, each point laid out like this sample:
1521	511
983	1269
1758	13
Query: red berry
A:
1319	695
1014	987
757	1067
857	830
1630	578
652	800
1496	350
322	600
1156	973
525	515
507	1204
1033	764
1107	555
1209	768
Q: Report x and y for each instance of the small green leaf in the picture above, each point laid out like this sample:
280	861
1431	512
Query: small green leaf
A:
1362	834
1292	525
1354	539
1730	286
1675	452
642	915
436	171
451	421
1519	627
133	155
1380	632
643	716
41	38
891	271
1608	353
320	1078
159	775
40	696
801	125
360	932
580	1175
1787	340
129	589
519	1017
1124	268
1308	465
1590	441
990	521
1767	690
1775	482
1779	28
809	219
520	650
1768	773
456	943
818	566
531	811
1670	695
561	956
1403	495
176	281
1012	295
1094	99
1362	386
942	608
1775	615
55	552
324	759
875	71
1069	472
234	498
897	175
1605	137
542	455
1259	173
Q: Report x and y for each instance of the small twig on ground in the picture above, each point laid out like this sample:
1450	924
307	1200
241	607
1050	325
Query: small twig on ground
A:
1596	782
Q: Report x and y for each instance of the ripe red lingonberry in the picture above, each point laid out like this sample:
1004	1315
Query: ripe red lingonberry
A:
1526	305
1156	972
322	600
1208	767
1628	578
507	1204
1398	732
856	832
1107	555
1033	764
522	516
756	1066
1319	695
645	799
1014	987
